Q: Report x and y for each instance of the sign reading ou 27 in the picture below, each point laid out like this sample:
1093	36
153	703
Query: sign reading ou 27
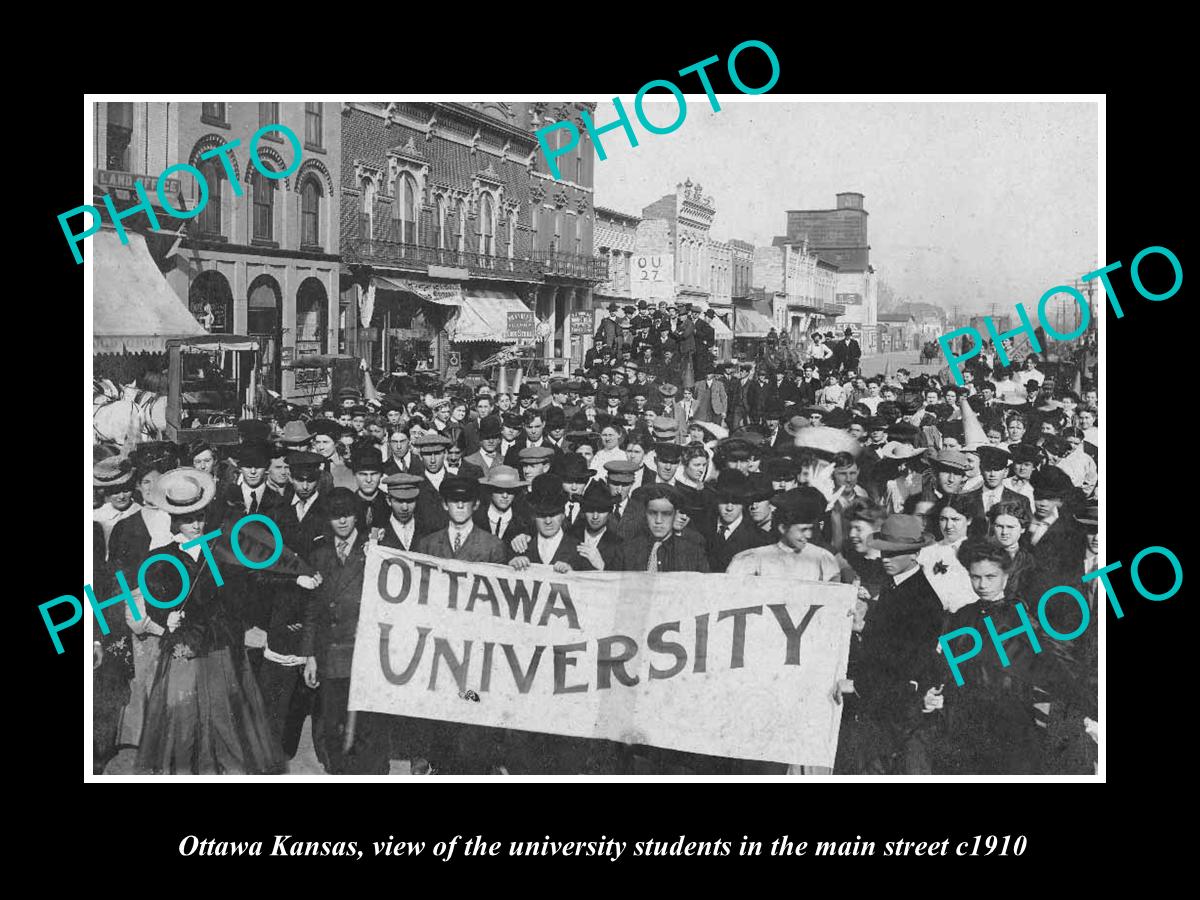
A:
166	183
623	117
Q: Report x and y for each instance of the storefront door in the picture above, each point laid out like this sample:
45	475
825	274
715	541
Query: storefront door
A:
264	320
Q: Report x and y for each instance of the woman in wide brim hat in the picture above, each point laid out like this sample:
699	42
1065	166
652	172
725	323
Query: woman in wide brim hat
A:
205	714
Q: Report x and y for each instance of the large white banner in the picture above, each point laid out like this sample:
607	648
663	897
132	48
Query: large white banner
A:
652	276
716	664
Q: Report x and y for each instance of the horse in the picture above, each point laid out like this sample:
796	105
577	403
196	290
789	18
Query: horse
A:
119	412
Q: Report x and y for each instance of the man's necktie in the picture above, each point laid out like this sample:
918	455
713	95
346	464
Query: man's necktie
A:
1036	531
253	503
343	550
457	542
496	528
571	512
652	563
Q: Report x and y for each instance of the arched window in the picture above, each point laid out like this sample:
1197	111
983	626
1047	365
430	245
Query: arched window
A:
512	232
486	225
310	213
408	209
312	314
263	190
462	226
366	217
209	220
439	223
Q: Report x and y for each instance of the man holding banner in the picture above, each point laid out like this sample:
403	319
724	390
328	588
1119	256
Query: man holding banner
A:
660	658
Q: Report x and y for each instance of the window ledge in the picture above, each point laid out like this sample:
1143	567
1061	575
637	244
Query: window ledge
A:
259	242
312	248
314	148
213	237
272	136
210	120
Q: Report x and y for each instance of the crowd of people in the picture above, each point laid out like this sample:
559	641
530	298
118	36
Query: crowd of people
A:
941	504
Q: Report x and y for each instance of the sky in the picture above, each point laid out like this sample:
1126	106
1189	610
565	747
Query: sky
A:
970	203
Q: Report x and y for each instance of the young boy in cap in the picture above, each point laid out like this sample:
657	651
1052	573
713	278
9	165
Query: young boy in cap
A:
401	531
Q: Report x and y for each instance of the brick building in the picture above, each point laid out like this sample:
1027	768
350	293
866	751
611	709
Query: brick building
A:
839	236
615	240
450	221
265	263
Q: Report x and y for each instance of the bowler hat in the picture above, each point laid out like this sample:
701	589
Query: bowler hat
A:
803	506
730	487
1051	482
366	459
456	487
546	495
253	454
597	498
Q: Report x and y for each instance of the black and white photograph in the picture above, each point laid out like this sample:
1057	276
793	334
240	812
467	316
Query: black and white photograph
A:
474	439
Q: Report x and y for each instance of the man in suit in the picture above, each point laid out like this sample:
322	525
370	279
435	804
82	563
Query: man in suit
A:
550	544
487	456
1054	538
890	675
735	531
686	338
534	421
628	516
455	463
401	529
403	458
303	521
993	468
712	403
849	352
248	496
463	749
368	471
738	391
499	516
591	529
575	476
346	743
706	337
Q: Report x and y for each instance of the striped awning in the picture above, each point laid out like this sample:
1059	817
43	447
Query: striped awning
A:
135	308
483	317
749	323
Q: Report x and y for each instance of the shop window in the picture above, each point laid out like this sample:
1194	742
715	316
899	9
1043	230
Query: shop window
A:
119	135
313	124
263	190
310	213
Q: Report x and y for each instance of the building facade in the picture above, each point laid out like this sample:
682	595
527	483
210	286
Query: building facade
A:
263	256
803	288
839	236
615	239
454	232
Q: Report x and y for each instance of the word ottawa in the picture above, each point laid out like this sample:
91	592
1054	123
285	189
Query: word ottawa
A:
622	121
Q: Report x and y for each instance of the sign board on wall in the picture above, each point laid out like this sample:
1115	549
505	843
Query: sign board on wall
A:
521	326
652	276
849	299
581	322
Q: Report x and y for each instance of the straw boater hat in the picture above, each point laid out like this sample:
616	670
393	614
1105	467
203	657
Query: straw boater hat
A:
183	491
112	472
503	477
829	440
897	450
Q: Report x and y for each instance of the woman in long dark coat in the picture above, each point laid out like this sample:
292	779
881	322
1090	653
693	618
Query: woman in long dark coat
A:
205	714
989	725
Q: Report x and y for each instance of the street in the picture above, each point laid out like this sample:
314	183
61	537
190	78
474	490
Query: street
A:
906	359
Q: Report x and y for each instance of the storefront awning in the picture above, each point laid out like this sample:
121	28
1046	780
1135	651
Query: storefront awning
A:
442	294
720	329
483	316
749	323
135	309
